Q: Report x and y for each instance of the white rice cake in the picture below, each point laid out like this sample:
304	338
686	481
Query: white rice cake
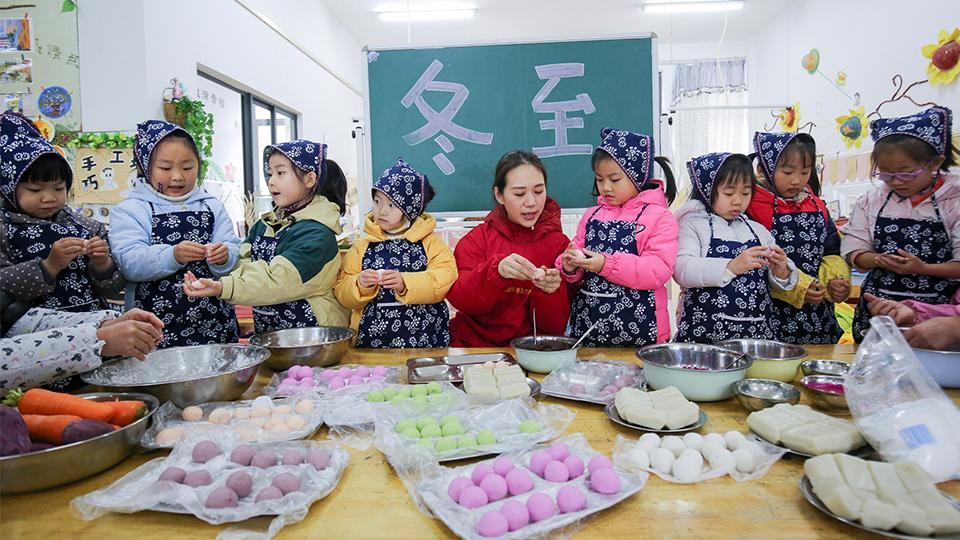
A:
913	477
889	487
839	498
684	415
800	428
913	520
855	473
879	515
766	424
511	381
654	410
822	470
514	390
941	515
478	380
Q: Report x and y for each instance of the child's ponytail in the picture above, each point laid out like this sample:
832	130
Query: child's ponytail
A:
669	182
333	185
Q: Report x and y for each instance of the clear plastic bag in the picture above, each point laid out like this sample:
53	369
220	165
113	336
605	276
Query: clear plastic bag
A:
595	380
141	489
764	454
899	408
368	377
428	485
169	420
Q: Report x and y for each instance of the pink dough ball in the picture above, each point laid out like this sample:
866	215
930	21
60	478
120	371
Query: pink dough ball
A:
558	451
174	474
242	454
578	389
480	472
571	499
269	493
355	380
457	486
222	497
198	478
518	481
502	465
494	486
345	372
605	481
493	524
328	374
540	506
556	471
380	371
336	383
472	497
516	513
574	466
539	460
318	459
363	371
599	462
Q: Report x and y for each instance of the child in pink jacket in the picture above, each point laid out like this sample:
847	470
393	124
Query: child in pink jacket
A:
625	248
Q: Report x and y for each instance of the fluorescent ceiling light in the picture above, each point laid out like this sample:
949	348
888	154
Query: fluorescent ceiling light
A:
426	15
661	6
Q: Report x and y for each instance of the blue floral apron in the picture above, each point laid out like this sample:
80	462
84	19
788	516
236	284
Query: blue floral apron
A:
802	236
387	323
738	310
928	240
628	317
293	314
73	289
187	321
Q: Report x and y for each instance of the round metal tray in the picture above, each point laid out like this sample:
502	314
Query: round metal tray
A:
612	414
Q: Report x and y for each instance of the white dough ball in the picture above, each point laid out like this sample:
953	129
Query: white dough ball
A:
714	437
263	401
686	469
692	455
649	441
693	440
751	446
638	457
662	460
746	461
733	439
673	444
712	446
722	460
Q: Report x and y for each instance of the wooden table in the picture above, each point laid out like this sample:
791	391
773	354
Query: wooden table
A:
371	502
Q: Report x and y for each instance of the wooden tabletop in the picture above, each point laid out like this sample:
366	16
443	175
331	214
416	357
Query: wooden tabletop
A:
371	502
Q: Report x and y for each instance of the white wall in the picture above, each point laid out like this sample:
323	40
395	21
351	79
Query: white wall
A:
871	40
125	65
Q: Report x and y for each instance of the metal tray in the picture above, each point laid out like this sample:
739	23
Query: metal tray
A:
424	369
863	452
612	414
806	488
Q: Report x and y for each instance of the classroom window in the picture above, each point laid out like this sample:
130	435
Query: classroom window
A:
271	125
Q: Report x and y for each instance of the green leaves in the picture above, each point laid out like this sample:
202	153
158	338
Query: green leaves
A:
199	123
100	139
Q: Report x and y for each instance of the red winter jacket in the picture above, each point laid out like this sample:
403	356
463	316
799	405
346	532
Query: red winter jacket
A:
492	310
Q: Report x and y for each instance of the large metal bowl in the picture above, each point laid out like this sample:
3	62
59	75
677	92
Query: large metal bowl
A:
771	359
188	375
317	346
700	372
822	399
757	394
543	354
943	366
68	463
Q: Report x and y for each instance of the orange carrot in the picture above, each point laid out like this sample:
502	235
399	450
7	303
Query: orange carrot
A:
48	428
40	401
126	412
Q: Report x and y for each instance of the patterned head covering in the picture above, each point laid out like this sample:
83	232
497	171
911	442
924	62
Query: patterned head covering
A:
931	126
633	151
308	156
21	144
149	135
703	172
405	187
769	146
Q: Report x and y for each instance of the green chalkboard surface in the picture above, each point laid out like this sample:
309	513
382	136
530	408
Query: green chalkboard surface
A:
451	112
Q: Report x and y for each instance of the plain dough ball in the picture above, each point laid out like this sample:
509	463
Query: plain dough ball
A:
281	410
220	416
685	469
693	440
693	456
247	432
712	446
638	457
169	436
746	461
734	439
304	406
723	460
717	437
662	460
649	441
192	413
673	444
296	422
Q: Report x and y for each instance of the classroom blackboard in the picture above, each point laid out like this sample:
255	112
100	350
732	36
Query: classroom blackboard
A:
451	112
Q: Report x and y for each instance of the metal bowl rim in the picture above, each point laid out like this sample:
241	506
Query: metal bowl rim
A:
938	353
834	378
806	364
256	339
152	404
803	351
791	389
565	339
741	357
262	350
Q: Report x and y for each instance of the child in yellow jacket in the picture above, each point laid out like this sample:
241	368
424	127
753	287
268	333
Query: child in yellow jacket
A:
395	279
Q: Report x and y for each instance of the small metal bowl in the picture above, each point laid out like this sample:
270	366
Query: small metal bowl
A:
824	367
822	399
192	375
700	372
771	359
543	354
60	465
757	394
317	346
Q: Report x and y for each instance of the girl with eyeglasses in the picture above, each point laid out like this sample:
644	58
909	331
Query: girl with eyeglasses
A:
906	232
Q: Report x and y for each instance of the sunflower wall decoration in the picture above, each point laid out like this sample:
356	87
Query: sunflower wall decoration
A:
944	57
789	118
853	127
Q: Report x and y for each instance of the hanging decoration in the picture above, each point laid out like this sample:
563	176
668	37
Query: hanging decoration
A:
853	127
944	57
901	93
789	118
841	78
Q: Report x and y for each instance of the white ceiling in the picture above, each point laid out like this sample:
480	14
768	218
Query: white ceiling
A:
525	20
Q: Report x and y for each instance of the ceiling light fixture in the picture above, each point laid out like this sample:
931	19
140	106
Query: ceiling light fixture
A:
699	6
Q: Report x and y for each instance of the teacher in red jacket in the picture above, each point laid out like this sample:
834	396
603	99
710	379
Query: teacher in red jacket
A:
506	263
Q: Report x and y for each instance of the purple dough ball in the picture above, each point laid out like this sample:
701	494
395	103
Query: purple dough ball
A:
494	486
243	454
241	483
292	457
516	513
286	482
304	372
558	451
518	481
356	380
578	389
222	497
480	472
472	497
493	524
599	462
204	451
174	474
541	506
571	499
502	465
556	471
318	459
457	486
337	383
539	460
198	478
574	466
264	459
268	493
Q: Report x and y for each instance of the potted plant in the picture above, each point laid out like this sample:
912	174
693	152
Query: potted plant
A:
190	114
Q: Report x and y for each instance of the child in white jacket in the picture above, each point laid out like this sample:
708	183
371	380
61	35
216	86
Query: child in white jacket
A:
726	263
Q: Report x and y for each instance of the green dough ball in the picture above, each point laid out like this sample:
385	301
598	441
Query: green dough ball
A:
442	398
425	421
449	418
396	400
431	430
425	442
420	400
419	390
375	396
434	388
389	392
466	441
404	425
485	436
452	428
403	391
446	445
411	433
529	426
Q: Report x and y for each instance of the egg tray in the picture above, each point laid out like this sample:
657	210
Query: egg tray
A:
322	386
432	489
141	489
503	419
171	416
424	369
765	454
594	375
